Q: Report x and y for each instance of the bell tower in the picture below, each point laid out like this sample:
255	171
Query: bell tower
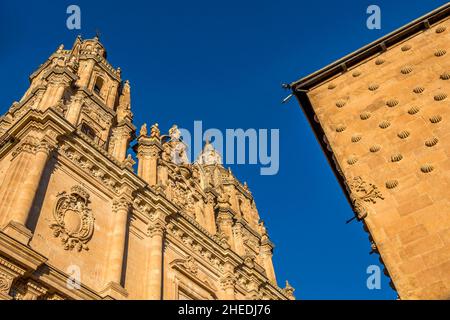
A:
81	85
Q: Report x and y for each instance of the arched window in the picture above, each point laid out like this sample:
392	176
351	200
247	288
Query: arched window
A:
98	85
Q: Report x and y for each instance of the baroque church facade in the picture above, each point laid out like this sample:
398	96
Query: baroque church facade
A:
382	117
76	221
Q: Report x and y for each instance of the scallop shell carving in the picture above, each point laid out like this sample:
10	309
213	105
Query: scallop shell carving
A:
436	119
413	110
406	70
384	124
375	148
403	134
432	142
440	53
391	184
440	96
426	168
392	103
356	138
440	29
373	87
331	86
351	161
340	103
341	128
365	115
379	61
396	157
356	74
445	76
406	47
418	89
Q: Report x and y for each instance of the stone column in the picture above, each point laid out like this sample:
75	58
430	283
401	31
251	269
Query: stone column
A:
238	237
210	219
86	73
148	153
57	83
253	289
225	219
121	137
227	283
21	185
73	113
266	256
118	238
156	233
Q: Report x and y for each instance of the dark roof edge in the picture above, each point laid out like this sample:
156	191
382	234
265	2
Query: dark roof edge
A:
378	46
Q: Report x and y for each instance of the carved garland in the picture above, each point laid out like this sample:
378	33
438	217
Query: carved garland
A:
74	222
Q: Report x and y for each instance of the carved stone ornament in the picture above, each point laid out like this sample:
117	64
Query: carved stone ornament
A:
191	265
362	192
5	283
74	222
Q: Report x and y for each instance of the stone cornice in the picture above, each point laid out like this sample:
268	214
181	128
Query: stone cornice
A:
188	227
57	280
39	70
27	257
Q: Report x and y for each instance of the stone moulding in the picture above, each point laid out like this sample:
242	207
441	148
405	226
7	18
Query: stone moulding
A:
362	193
73	219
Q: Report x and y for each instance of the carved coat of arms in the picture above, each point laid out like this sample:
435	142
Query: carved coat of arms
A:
74	222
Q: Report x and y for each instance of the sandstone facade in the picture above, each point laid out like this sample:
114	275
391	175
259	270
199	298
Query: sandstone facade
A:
78	223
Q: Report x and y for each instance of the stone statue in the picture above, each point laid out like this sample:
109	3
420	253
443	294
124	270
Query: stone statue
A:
143	131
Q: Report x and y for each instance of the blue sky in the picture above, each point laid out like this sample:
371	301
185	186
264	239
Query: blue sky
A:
223	62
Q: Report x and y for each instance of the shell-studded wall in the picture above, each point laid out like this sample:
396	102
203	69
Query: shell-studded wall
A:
387	121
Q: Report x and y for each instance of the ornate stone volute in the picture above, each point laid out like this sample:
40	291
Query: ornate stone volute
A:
361	193
73	219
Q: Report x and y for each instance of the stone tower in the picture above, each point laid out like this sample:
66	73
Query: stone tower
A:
77	222
382	116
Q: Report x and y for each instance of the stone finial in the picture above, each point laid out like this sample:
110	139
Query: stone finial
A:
60	49
262	228
155	133
143	132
